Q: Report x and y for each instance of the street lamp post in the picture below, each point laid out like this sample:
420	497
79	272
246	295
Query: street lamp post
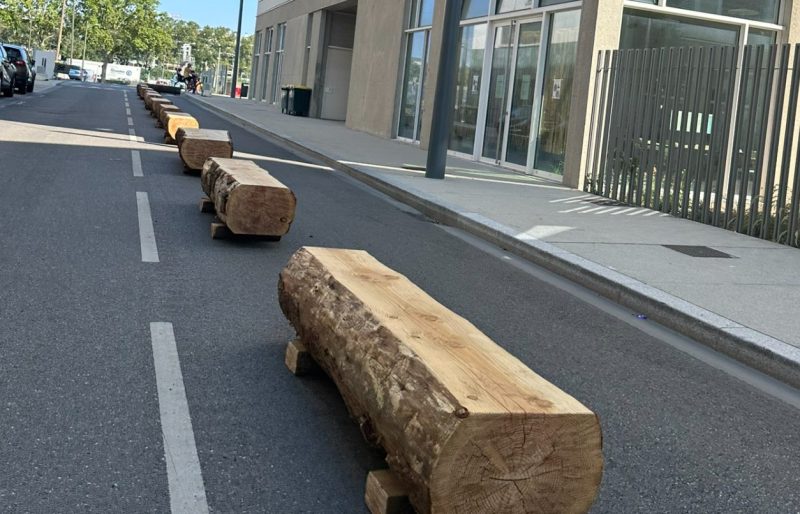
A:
238	45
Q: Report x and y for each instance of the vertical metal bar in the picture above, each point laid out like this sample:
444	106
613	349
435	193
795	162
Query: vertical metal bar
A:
731	58
657	108
444	96
788	142
688	97
672	152
613	102
756	199
690	190
664	131
623	134
601	90
704	149
649	68
744	183
620	105
777	122
629	147
792	238
739	124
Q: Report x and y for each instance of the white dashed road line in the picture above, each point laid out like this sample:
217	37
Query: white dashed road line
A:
136	163
147	236
187	494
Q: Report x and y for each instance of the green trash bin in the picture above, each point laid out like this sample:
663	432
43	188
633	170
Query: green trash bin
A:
298	100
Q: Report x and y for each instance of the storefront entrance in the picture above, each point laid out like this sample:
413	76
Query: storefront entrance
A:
511	88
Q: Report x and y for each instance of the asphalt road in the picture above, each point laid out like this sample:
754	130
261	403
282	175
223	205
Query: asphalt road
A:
80	424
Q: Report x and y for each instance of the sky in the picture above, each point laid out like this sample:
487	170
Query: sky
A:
213	12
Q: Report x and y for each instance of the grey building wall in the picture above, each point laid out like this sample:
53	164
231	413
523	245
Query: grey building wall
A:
377	64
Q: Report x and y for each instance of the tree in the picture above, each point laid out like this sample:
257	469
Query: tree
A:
126	30
33	23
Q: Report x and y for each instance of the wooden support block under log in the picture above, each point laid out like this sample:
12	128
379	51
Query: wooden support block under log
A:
173	120
206	205
386	494
219	230
298	360
246	198
466	426
196	146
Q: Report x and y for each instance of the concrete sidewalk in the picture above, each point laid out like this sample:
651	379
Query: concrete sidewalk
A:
744	304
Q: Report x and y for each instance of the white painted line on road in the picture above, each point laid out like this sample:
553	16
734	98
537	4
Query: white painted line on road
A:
594	210
136	162
187	494
576	209
570	198
132	135
147	236
623	212
640	211
130	121
127	110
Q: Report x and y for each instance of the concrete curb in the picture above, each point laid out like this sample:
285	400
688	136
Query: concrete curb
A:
755	349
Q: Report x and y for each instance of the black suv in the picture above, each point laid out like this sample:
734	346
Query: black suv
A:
26	71
8	74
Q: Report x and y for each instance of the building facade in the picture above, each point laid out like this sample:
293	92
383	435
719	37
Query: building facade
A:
525	68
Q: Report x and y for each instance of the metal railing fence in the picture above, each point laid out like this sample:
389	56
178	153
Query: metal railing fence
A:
702	133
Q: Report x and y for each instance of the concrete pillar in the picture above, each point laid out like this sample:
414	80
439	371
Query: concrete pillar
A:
316	62
601	24
791	20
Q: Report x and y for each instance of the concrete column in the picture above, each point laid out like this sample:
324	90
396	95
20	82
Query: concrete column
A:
377	61
601	24
316	62
429	87
791	20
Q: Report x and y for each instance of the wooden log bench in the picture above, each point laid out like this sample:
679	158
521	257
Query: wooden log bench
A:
466	426
173	120
247	200
148	99
162	110
155	105
196	146
141	87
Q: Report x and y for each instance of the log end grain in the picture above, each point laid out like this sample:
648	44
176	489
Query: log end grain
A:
385	493
174	120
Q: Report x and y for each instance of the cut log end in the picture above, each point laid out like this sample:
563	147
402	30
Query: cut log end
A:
298	360
385	493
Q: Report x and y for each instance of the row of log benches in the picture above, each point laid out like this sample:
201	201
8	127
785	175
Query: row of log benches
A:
465	426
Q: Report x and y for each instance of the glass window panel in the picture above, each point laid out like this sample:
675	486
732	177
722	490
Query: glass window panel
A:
757	10
498	86
468	87
649	30
475	8
412	85
761	37
558	74
513	5
519	124
264	75
426	13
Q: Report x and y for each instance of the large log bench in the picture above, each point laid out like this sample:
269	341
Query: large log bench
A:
173	120
196	146
148	99
155	105
466	426
247	200
141	87
163	109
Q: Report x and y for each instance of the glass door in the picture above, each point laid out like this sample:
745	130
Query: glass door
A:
512	85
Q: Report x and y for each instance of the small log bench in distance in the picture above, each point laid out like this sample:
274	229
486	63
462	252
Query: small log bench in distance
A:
196	146
155	105
247	199
149	96
173	120
465	425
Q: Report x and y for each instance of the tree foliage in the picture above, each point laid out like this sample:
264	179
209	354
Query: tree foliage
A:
122	31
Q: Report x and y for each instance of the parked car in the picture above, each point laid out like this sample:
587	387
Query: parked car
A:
8	74
77	74
26	71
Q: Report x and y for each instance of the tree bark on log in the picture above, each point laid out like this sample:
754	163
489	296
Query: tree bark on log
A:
246	198
155	106
467	426
173	120
196	146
